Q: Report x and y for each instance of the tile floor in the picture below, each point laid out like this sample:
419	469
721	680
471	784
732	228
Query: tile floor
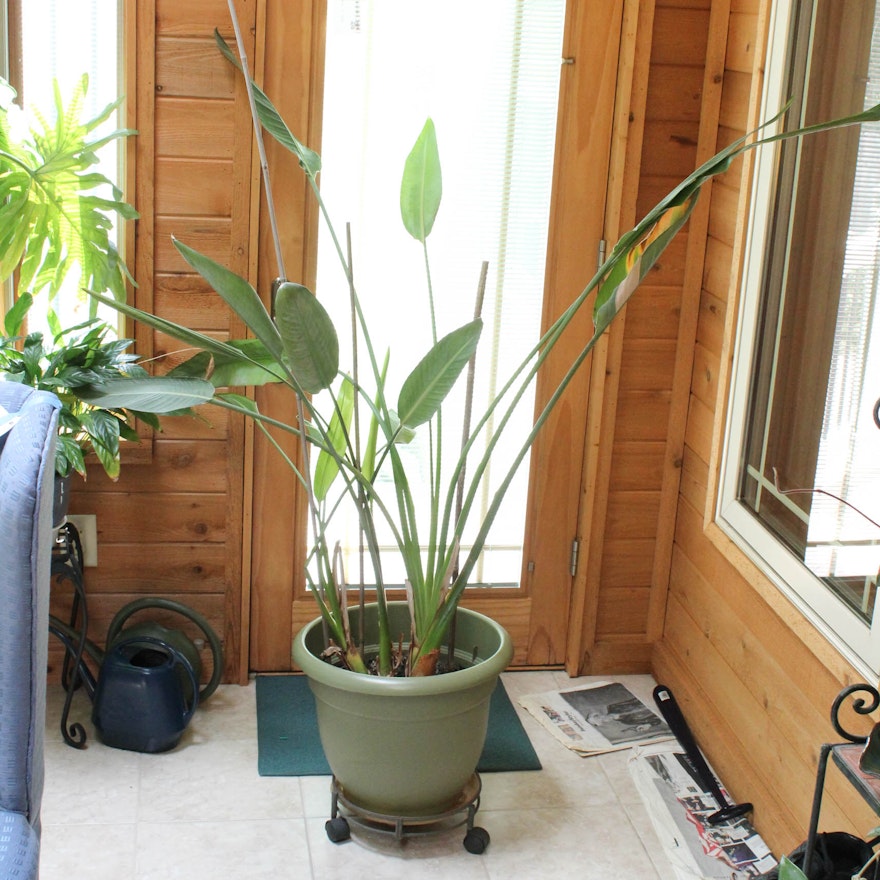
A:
202	812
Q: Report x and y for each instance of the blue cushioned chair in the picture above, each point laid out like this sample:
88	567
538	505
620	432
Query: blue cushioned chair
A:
27	454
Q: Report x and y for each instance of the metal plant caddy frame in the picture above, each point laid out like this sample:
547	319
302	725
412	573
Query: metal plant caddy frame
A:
846	756
462	812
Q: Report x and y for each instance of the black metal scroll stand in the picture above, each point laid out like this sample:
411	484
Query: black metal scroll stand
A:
846	755
67	566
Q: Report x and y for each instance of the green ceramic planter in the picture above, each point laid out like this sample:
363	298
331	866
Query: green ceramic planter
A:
405	746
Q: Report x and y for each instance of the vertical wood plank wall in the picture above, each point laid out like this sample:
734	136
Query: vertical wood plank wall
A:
625	594
753	677
172	526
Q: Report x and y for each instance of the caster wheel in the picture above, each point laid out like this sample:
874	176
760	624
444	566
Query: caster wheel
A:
476	840
337	829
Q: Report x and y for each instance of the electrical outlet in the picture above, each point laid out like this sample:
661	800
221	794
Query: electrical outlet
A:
87	526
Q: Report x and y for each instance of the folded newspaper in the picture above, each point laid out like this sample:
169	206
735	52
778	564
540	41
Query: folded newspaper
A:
679	810
596	718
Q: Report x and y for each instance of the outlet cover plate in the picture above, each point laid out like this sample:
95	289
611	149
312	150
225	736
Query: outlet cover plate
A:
87	526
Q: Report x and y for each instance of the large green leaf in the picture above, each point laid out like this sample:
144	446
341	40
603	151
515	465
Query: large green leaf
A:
190	337
257	367
634	262
327	467
639	248
15	316
156	394
271	118
422	186
426	387
309	337
103	429
260	367
238	294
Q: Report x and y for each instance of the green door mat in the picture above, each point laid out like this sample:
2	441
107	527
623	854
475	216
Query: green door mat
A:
287	733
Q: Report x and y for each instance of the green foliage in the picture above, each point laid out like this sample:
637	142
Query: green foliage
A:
788	870
79	359
297	346
56	208
55	221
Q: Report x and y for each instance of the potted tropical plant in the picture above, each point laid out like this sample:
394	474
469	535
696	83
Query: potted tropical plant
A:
55	221
351	435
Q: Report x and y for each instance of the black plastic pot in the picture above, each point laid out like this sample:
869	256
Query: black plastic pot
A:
837	856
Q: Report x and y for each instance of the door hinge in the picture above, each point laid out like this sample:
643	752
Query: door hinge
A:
573	561
602	245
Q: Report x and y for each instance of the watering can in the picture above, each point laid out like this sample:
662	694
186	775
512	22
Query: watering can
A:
146	694
147	685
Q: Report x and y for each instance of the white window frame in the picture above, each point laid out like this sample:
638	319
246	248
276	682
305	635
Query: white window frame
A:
857	641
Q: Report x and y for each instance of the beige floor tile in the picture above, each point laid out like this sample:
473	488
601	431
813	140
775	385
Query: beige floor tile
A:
645	829
229	713
315	796
248	849
553	786
96	852
213	780
92	786
597	843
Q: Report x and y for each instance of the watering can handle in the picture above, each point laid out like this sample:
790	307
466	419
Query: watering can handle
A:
179	660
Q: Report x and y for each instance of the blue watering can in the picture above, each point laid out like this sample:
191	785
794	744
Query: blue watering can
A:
146	688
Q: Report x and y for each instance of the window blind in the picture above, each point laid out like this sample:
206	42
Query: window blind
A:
488	75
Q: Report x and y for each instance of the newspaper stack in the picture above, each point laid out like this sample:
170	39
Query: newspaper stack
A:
601	717
680	811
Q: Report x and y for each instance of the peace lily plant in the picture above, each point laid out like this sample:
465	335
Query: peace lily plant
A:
351	432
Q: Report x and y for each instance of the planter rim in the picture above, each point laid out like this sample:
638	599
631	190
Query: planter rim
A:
420	686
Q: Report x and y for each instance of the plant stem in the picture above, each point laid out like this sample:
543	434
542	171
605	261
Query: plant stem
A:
258	135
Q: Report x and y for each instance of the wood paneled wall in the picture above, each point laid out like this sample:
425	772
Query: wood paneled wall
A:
172	525
754	678
632	493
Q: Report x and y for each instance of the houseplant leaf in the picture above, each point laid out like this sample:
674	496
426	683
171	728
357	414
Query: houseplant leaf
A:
15	316
103	429
788	870
253	365
156	394
271	119
421	187
311	347
432	379
327	466
238	294
191	338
